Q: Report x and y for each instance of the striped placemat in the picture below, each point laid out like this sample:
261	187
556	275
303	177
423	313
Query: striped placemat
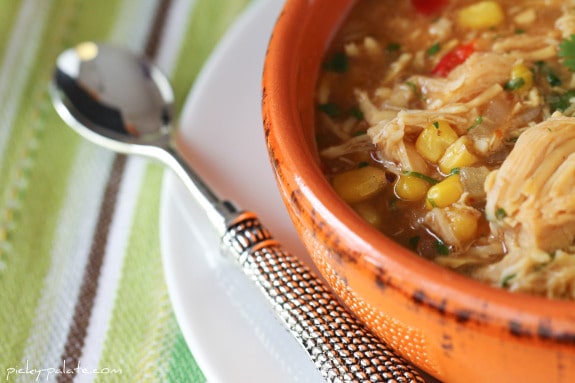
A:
82	291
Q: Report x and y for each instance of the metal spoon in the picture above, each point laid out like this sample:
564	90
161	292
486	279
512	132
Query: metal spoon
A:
122	102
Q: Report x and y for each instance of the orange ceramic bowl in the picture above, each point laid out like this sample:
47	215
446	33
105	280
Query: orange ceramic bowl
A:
457	329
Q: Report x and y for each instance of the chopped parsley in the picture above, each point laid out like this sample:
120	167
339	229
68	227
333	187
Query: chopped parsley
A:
561	101
441	248
506	281
392	47
330	109
567	52
514	84
333	110
393	203
422	176
500	213
478	121
552	78
434	49
553	255
414	241
414	89
548	73
356	113
436	124
338	63
412	86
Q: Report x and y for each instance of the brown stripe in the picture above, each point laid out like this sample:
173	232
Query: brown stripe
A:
85	303
155	35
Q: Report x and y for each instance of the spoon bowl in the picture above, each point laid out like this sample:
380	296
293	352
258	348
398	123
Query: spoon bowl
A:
113	97
123	102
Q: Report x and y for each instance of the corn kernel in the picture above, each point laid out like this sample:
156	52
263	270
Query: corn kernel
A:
463	223
411	188
368	211
483	14
521	78
457	155
434	140
444	193
359	184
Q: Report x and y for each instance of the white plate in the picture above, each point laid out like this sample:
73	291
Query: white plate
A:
229	328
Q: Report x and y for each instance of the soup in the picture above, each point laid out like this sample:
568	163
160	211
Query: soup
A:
449	125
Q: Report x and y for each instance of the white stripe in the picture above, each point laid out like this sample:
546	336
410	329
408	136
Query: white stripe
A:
174	34
69	256
18	58
135	18
112	267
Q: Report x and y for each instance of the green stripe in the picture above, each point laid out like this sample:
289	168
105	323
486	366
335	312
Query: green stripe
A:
182	367
210	20
46	148
7	19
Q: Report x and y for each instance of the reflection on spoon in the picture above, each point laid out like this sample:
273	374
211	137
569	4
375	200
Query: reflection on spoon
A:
122	102
138	110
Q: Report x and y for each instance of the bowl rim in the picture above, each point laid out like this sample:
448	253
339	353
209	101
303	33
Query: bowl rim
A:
528	311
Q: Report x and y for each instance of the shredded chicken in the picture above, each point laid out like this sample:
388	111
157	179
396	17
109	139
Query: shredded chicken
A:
533	271
399	66
479	73
566	24
530	198
355	144
524	47
526	17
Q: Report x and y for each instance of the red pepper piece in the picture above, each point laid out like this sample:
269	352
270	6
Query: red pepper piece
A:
428	7
453	58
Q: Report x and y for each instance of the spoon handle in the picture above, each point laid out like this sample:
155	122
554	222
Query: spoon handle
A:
341	348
